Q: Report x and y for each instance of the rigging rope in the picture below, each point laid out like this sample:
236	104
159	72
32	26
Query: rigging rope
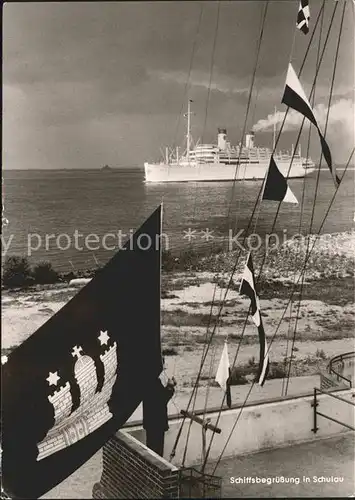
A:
292	293
187	83
316	192
299	134
211	70
279	205
221	306
248	106
239	252
195	388
213	355
301	213
236	262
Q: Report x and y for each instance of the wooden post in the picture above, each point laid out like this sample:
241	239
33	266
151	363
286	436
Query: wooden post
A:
314	405
205	423
203	428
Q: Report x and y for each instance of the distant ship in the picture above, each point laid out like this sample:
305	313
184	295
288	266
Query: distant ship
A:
223	162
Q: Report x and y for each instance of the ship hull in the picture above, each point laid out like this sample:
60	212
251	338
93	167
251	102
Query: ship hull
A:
216	172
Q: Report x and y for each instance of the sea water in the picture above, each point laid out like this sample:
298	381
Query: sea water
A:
57	204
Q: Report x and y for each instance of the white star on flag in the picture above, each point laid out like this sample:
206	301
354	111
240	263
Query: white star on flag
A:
103	337
77	351
4	359
53	378
190	233
207	235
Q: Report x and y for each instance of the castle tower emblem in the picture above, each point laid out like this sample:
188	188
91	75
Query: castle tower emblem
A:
93	411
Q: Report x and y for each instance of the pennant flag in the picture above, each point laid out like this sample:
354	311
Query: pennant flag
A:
303	16
295	97
276	186
247	288
223	374
74	382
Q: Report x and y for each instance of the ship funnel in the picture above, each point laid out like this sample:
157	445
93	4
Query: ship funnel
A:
222	136
249	140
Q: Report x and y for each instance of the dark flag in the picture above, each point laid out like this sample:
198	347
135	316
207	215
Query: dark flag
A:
80	376
247	287
303	16
295	97
223	374
276	186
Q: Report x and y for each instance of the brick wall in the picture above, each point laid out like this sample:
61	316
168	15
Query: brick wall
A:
131	470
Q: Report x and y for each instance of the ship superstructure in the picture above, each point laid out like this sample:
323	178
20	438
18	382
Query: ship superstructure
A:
222	161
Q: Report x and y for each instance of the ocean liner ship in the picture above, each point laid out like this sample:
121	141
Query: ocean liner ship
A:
223	162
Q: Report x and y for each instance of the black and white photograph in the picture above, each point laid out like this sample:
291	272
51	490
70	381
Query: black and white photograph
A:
178	249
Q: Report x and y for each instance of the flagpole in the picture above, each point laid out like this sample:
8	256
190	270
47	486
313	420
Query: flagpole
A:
160	270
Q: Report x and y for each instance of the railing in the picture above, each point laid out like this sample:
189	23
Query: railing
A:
340	359
315	403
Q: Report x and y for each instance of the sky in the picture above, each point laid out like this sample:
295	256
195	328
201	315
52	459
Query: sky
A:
92	83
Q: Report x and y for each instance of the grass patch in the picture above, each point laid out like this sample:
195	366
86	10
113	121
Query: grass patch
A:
168	295
182	318
320	354
193	305
169	351
239	375
332	291
340	328
277	370
62	296
170	285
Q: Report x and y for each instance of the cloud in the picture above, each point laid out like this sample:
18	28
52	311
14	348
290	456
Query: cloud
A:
221	83
80	75
340	127
341	112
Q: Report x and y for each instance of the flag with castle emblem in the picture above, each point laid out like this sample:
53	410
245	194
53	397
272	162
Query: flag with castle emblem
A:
73	383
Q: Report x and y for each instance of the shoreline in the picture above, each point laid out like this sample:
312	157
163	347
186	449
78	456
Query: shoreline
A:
332	254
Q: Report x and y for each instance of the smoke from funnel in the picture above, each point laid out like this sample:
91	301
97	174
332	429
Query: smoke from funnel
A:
340	111
340	127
